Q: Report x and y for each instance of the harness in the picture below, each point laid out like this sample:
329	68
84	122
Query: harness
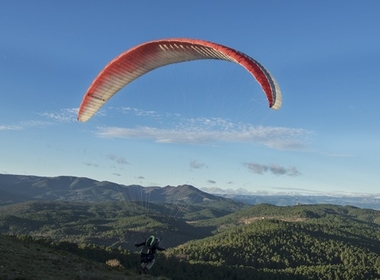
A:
149	243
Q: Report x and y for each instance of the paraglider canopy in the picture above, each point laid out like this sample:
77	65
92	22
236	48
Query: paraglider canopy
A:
146	57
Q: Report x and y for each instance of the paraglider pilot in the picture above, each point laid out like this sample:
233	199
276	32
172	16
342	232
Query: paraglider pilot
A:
151	245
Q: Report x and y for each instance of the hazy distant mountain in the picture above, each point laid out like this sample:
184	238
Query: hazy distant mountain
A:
294	198
19	188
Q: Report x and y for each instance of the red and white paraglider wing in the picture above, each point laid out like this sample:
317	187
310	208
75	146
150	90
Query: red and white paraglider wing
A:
143	58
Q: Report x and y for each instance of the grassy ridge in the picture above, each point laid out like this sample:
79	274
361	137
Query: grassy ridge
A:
23	259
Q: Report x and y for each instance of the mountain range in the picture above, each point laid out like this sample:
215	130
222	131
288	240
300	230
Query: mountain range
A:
21	188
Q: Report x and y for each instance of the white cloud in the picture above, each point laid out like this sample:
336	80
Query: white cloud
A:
147	113
9	127
174	128
34	123
212	131
140	112
64	115
24	124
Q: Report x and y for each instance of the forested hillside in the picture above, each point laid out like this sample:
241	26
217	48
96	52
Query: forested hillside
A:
312	242
110	224
263	241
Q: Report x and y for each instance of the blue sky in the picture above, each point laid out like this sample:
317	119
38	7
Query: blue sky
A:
205	123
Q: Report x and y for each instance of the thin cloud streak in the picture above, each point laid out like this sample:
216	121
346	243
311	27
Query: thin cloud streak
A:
64	115
9	127
205	131
273	137
24	125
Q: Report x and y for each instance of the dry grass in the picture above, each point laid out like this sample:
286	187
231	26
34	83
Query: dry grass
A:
28	260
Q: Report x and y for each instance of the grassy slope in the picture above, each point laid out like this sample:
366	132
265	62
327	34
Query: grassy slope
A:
28	260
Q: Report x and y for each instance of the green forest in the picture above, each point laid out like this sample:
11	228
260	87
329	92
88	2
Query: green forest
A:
205	241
